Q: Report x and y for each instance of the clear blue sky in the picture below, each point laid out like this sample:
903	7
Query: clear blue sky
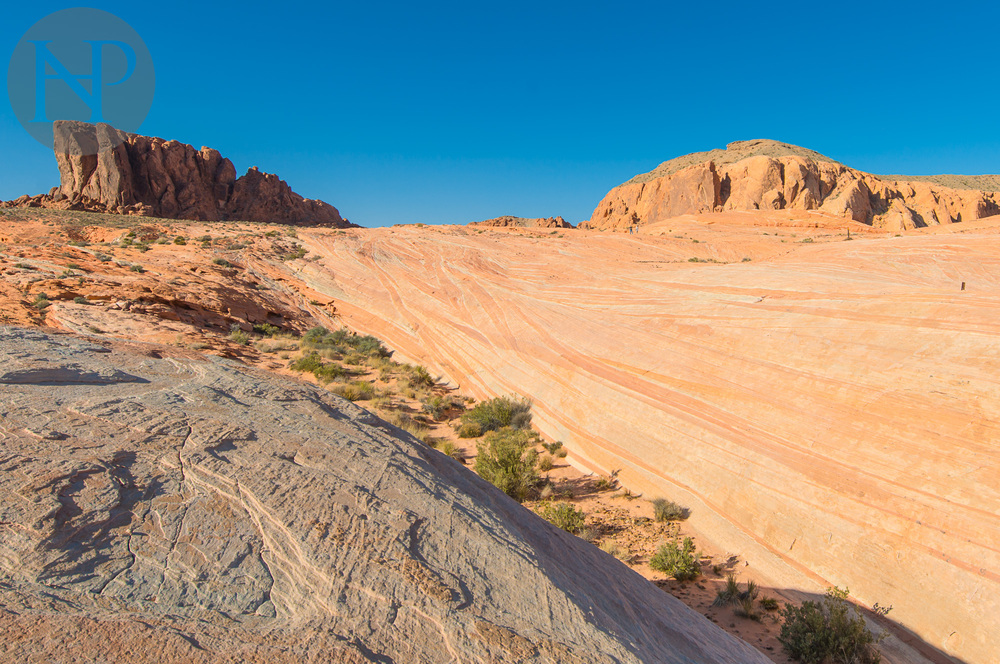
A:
456	112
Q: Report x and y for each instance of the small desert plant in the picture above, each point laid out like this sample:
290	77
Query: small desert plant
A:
563	515
137	268
829	631
742	601
358	390
222	262
237	335
507	461
768	603
545	463
500	412
79	299
266	329
449	448
41	302
668	510
677	559
469	430
612	548
180	240
552	447
438	406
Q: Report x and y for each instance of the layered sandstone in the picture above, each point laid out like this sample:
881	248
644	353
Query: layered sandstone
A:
767	175
828	409
159	505
106	170
508	221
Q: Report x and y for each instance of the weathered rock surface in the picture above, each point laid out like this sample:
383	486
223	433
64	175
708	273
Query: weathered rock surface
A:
767	175
829	410
105	170
508	221
162	506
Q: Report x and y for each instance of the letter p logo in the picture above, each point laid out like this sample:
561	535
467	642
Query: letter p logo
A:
80	64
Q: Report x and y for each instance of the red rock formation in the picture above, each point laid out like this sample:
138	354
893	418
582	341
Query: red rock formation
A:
507	221
106	170
766	175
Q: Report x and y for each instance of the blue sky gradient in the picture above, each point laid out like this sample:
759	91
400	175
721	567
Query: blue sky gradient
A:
457	112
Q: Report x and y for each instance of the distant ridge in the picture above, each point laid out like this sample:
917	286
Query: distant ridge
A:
734	152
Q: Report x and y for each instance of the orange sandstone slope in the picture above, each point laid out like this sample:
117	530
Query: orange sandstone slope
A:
828	409
768	175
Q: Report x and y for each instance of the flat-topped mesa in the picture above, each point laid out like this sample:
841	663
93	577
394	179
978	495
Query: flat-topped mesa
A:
508	221
769	175
106	170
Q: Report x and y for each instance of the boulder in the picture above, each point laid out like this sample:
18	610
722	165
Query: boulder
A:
160	505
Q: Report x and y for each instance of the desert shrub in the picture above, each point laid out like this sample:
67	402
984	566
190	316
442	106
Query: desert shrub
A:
449	448
829	631
137	268
742	601
545	463
329	371
41	301
551	448
180	240
299	252
507	461
79	299
344	341
237	335
500	412
614	549
266	329
768	603
563	515
309	363
469	430
668	510
439	406
358	390
143	247
677	559
222	262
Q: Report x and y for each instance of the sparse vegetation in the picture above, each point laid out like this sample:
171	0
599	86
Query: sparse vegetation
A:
498	413
742	601
563	515
222	262
506	460
668	510
237	335
41	302
545	463
358	390
79	299
677	559
829	631
343	341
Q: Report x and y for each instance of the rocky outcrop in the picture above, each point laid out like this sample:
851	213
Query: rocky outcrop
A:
767	175
159	505
508	221
106	170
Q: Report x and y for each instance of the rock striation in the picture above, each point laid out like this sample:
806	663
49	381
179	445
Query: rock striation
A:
102	169
508	221
829	410
160	505
768	175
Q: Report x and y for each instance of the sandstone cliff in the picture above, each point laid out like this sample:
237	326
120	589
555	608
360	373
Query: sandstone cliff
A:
102	169
508	221
159	505
767	175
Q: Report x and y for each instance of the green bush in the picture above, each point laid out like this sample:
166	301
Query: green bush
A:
545	463
344	341
668	510
266	329
238	335
506	460
41	301
469	430
310	363
500	412
742	601
439	406
563	515
222	262
677	559
180	240
829	631
79	299
359	390
313	363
